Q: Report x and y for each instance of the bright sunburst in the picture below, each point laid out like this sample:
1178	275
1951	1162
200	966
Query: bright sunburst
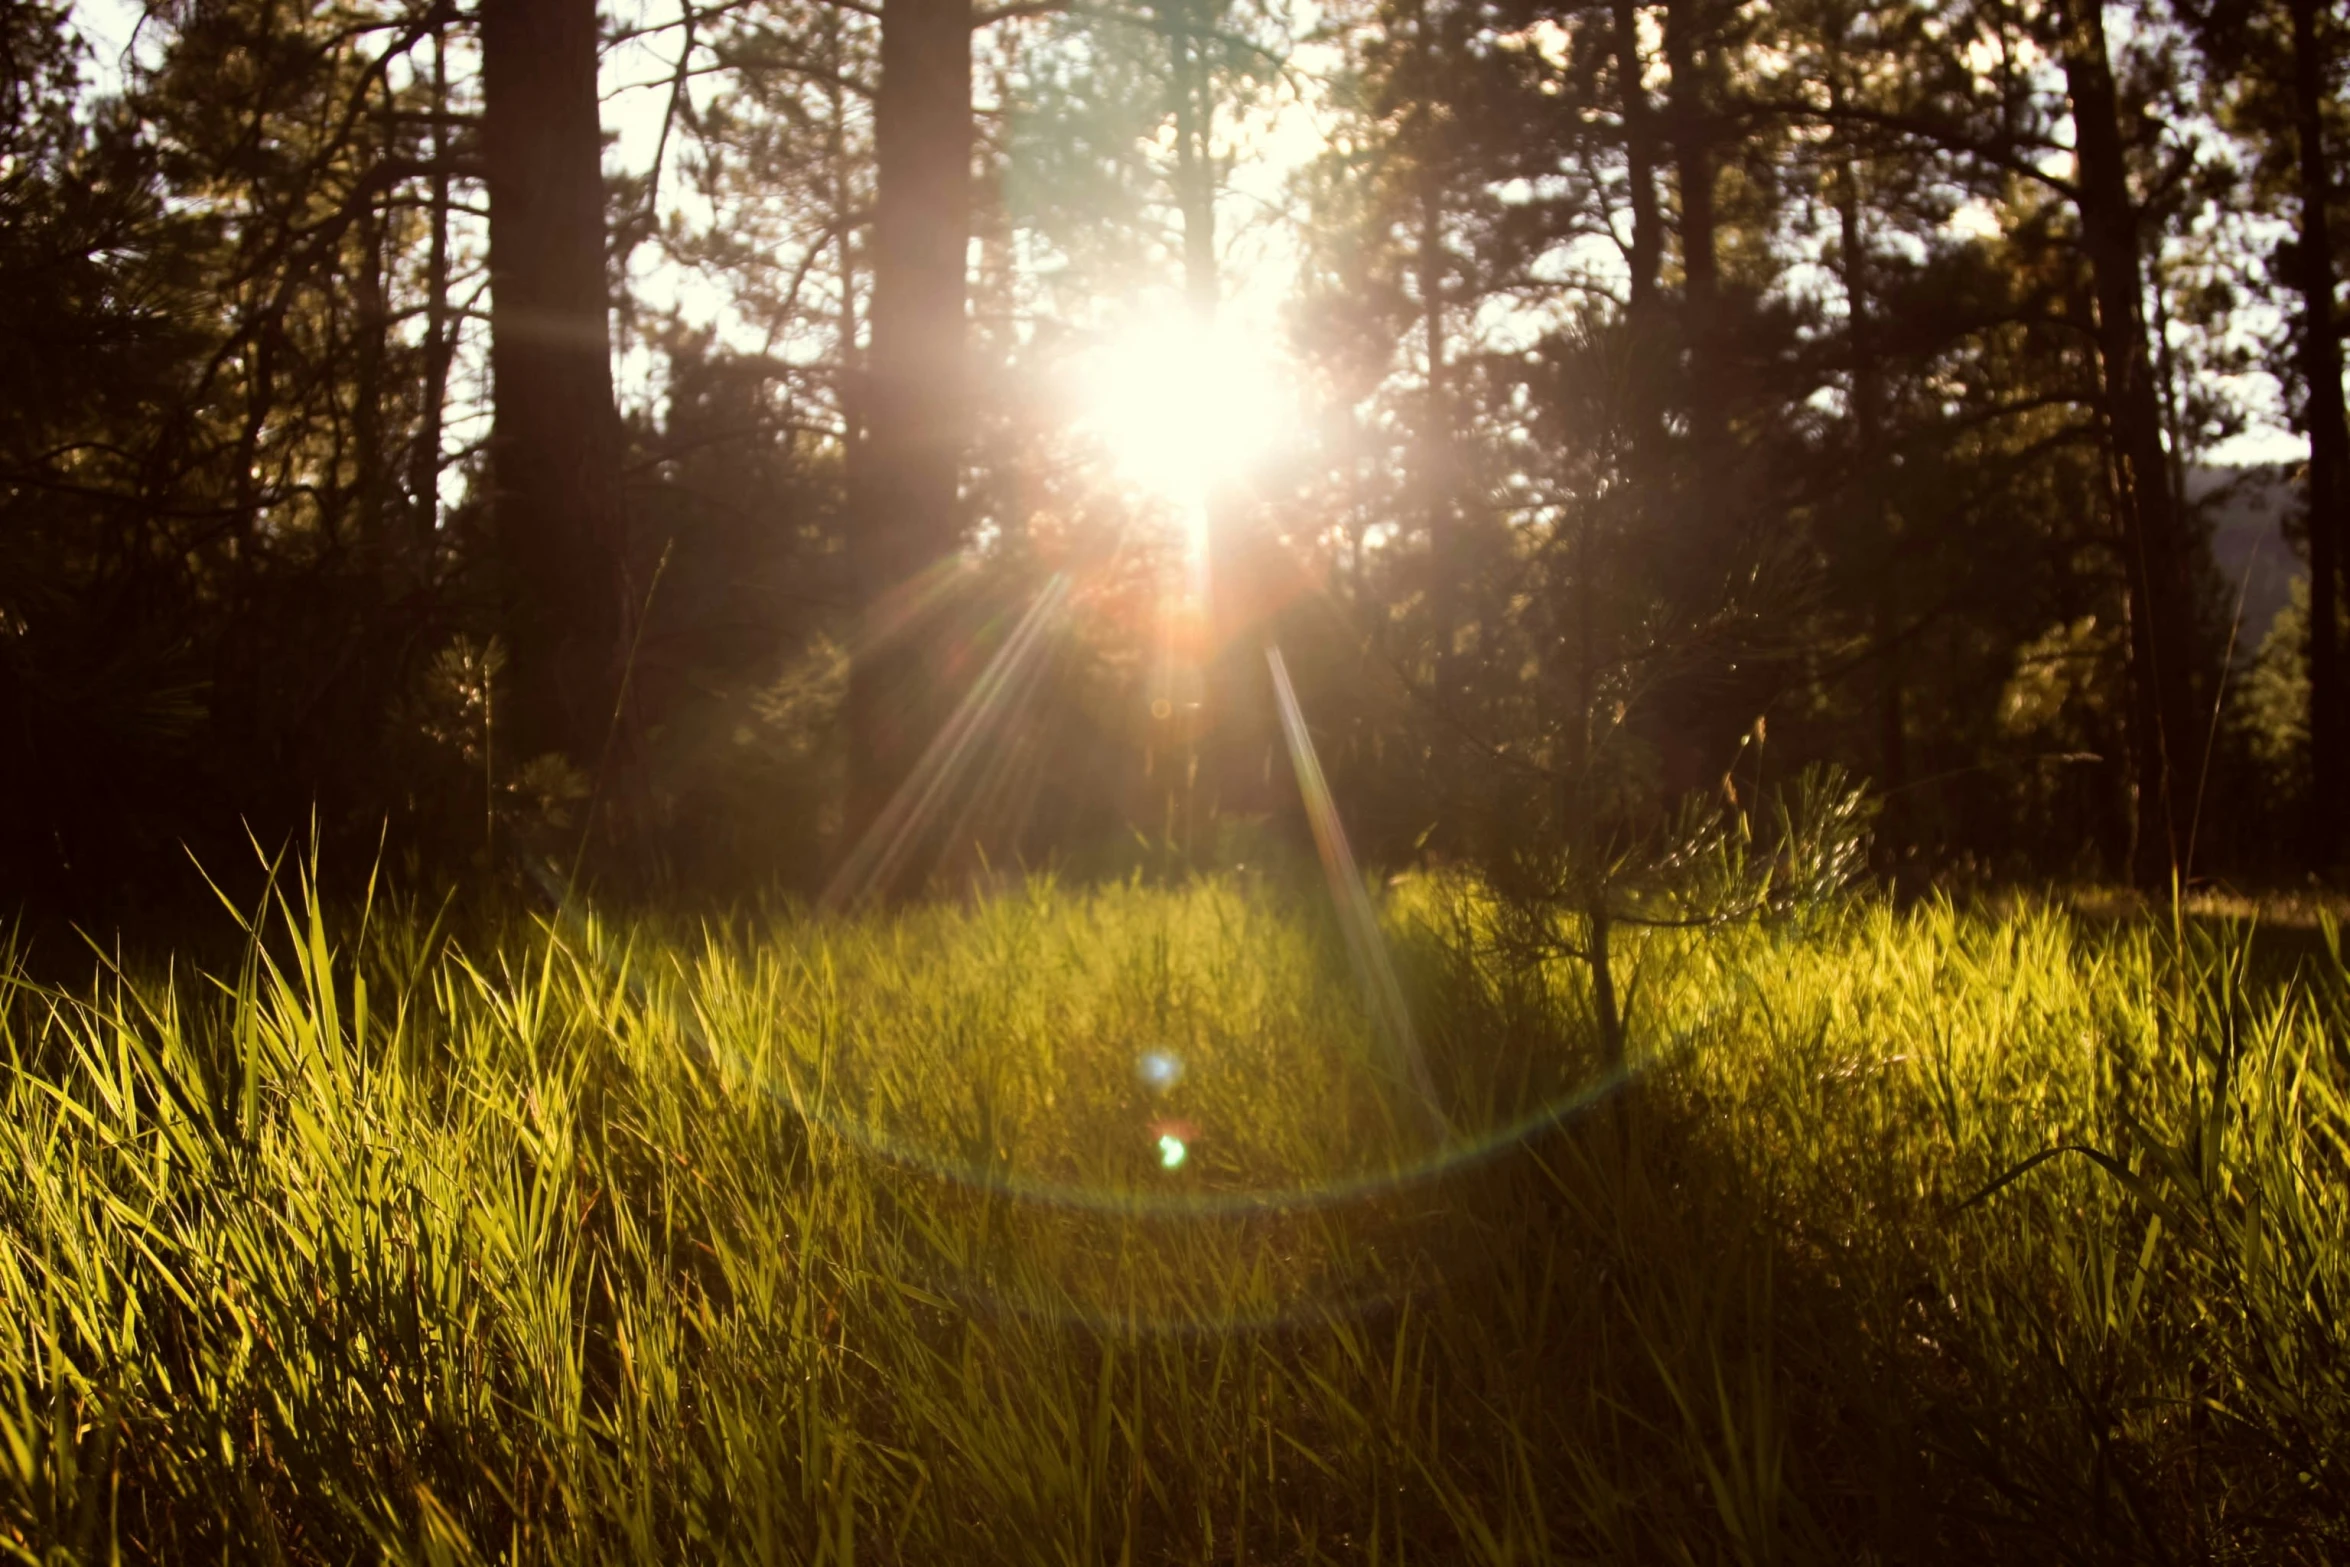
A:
1181	407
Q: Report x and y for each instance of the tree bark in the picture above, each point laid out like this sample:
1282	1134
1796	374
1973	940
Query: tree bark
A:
1868	437
2157	555
1693	156
2329	451
1647	349
1436	438
1867	373
905	476
424	481
371	468
1639	160
555	440
1702	515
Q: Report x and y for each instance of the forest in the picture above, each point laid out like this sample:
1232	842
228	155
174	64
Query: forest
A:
1481	781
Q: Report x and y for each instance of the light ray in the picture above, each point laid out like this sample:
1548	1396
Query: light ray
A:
1365	944
898	609
572	920
1001	687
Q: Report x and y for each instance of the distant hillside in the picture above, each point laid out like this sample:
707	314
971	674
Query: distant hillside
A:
2247	508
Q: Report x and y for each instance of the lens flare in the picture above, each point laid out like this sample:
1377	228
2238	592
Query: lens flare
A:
1365	945
1173	1140
1181	406
1159	1070
1001	689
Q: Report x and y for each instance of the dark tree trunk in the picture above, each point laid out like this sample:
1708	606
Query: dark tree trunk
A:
1647	247
904	482
1436	433
1868	438
1693	156
371	468
1867	373
2329	452
555	448
2153	538
1703	516
1585	796
1646	352
2166	376
424	481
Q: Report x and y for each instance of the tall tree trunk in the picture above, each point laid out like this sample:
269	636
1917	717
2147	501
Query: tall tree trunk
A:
2329	452
1195	167
1436	433
2154	541
1639	121
424	481
555	436
1704	500
1868	436
1693	156
1644	376
2166	376
905	479
1581	786
1867	372
843	198
371	466
1223	735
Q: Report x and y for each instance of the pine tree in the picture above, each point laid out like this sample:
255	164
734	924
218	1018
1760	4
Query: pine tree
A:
2275	75
555	448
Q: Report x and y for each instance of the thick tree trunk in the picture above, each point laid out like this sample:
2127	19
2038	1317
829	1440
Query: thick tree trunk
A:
905	478
2329	453
1703	517
2158	556
555	446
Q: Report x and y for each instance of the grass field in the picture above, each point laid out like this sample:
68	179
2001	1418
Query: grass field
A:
1100	1226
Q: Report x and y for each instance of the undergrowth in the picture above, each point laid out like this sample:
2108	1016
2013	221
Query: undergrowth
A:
1089	1226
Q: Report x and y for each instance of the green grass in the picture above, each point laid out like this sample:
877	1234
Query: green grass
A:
802	1242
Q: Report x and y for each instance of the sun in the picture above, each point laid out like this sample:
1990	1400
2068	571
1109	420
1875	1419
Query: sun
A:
1184	408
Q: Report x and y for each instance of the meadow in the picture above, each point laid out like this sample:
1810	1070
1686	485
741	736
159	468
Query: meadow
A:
1077	1226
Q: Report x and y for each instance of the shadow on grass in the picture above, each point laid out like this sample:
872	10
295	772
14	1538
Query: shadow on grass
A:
430	1252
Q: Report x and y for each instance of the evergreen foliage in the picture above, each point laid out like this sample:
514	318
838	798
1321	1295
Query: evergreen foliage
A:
1668	368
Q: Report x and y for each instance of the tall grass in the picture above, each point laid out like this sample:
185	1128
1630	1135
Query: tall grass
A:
1921	1235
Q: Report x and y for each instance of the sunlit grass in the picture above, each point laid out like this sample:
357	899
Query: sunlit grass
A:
819	1240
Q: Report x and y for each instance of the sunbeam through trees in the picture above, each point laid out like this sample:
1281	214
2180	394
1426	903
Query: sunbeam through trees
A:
1173	780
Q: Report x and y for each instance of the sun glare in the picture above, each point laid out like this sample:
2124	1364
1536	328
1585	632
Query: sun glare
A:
1183	408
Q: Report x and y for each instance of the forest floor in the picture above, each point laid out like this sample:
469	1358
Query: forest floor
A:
1080	1226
